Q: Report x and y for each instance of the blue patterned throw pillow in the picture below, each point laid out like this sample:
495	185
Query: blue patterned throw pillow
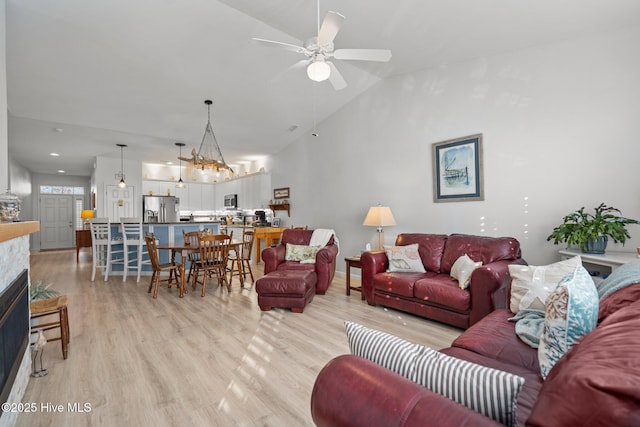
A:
571	312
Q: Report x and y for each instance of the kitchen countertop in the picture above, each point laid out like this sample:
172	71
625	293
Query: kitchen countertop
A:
182	222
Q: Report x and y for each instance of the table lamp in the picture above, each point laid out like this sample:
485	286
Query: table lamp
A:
86	214
379	216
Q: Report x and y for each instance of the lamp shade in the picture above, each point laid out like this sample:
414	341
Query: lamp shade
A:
379	216
86	214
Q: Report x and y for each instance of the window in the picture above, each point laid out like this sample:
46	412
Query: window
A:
61	189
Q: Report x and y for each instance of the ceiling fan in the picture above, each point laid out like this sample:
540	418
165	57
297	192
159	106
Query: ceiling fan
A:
319	51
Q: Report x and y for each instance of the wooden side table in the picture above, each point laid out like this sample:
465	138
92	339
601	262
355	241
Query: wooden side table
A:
353	261
83	240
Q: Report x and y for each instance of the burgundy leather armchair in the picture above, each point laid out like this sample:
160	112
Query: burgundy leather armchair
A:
325	265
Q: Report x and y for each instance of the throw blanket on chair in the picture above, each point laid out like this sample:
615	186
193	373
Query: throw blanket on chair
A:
321	236
622	276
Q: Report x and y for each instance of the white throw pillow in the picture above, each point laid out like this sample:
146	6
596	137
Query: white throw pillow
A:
531	285
404	259
462	269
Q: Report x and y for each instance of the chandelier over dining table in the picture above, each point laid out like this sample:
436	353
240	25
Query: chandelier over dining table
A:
208	156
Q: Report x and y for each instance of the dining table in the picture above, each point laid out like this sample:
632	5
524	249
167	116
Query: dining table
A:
270	235
185	249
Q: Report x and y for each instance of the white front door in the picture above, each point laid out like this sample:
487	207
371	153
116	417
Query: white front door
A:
56	221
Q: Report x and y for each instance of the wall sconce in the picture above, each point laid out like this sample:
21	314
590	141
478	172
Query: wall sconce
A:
379	216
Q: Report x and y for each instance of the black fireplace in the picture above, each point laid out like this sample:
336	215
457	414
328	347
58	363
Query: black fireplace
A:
14	331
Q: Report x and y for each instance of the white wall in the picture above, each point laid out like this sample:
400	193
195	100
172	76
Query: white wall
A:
4	138
560	132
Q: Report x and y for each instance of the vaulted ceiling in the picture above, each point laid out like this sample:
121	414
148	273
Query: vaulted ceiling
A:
83	75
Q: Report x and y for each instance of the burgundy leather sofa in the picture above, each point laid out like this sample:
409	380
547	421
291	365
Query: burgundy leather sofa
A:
434	294
594	384
325	265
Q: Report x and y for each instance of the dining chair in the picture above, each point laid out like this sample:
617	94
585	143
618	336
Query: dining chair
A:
135	248
172	267
241	259
191	239
103	243
214	255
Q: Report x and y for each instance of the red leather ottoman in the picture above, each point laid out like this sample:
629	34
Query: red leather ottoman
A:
292	289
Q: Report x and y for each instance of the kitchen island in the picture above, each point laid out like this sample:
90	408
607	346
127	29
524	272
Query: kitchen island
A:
165	233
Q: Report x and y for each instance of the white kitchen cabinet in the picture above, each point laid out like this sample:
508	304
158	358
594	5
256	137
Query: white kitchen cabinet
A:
208	197
183	195
150	188
195	196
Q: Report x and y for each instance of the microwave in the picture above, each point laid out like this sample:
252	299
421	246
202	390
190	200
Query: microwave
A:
231	201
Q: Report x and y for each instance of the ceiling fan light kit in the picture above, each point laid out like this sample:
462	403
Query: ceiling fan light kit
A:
318	71
320	48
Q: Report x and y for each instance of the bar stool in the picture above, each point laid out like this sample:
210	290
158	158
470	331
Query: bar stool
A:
104	256
49	307
134	246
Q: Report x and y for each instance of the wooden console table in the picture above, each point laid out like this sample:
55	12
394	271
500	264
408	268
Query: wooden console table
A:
83	240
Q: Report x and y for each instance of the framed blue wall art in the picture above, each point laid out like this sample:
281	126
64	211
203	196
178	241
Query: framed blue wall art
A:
457	170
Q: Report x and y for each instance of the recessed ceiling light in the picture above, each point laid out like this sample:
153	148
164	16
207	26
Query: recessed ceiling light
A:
169	162
58	129
54	154
60	171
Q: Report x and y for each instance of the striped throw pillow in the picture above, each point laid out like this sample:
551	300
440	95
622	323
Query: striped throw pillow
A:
491	392
488	391
384	349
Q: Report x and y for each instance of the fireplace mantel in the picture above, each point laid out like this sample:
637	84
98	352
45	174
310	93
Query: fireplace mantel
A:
11	230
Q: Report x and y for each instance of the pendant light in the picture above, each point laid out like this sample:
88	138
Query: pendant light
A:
121	184
180	183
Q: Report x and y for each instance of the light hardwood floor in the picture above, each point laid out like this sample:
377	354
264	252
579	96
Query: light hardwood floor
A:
212	361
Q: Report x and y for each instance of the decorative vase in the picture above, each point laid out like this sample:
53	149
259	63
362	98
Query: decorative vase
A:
9	207
596	245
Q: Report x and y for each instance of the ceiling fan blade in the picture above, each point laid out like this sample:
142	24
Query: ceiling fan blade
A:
336	78
286	46
300	64
330	27
380	55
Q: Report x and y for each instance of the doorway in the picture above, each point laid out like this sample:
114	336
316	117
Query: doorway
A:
56	221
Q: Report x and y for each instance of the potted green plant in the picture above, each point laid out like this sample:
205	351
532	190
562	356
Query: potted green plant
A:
590	231
38	290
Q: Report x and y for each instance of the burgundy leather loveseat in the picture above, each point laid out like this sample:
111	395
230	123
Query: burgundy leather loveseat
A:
325	265
594	384
435	294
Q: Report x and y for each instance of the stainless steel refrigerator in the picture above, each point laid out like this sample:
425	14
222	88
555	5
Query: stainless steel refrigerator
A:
160	208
